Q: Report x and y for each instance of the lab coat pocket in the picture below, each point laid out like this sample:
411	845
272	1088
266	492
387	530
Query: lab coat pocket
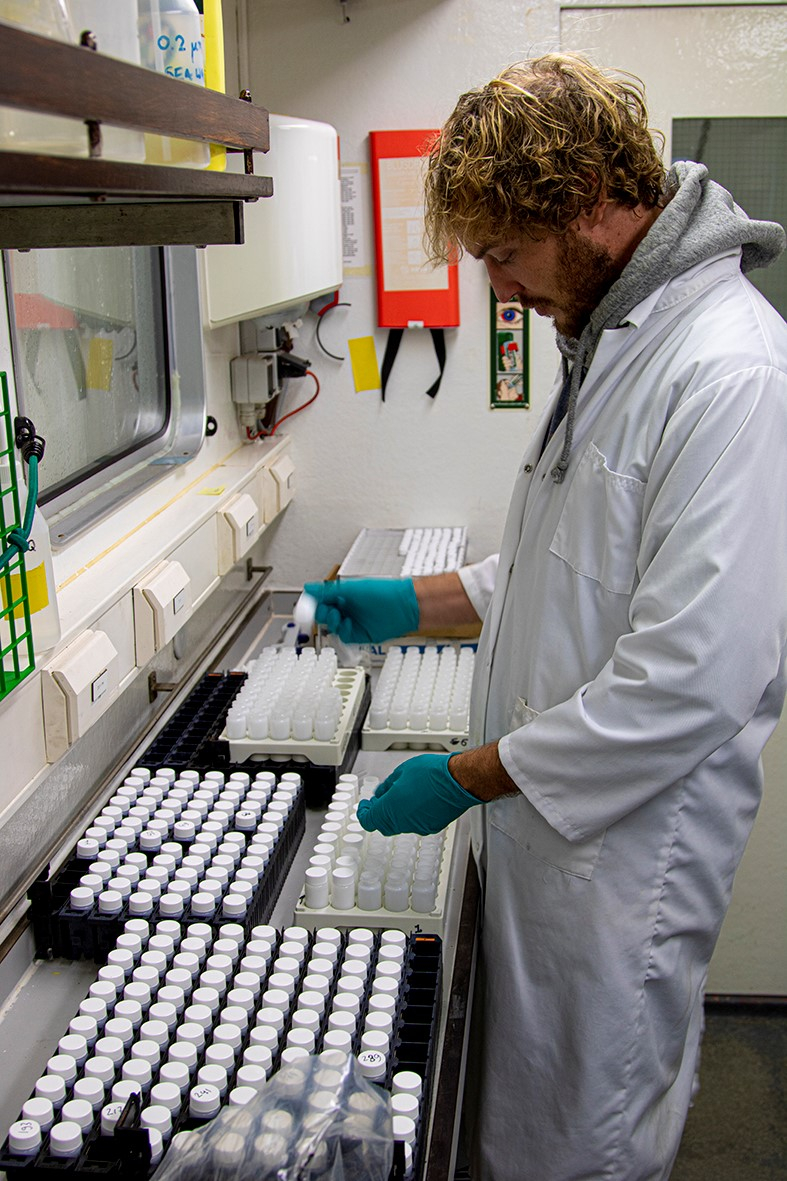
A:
600	527
518	819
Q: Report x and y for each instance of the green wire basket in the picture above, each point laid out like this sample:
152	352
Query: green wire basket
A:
17	659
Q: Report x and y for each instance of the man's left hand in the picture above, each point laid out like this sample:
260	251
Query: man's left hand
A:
420	796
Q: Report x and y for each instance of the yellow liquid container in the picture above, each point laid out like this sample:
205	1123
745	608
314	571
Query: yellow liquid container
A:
170	40
213	36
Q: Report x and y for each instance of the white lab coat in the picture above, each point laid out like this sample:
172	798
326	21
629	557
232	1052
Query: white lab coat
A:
632	665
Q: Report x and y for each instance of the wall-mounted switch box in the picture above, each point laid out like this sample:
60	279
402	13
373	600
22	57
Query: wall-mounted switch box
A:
253	378
278	483
239	526
162	604
78	687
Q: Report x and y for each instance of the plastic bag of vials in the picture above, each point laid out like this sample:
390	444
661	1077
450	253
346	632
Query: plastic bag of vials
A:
315	1120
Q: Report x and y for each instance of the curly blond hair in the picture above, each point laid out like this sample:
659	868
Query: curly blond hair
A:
536	146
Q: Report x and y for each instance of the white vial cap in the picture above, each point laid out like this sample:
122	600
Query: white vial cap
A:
81	898
261	1056
170	904
80	1112
110	1047
140	903
91	1090
110	902
101	1069
240	1096
234	906
24	1137
406	1082
228	1034
204	1101
41	1111
158	1118
265	1036
110	1116
372	1064
220	1055
405	1104
63	1065
338	1039
404	1129
51	1087
65	1139
124	1089
292	1054
215	1075
176	1073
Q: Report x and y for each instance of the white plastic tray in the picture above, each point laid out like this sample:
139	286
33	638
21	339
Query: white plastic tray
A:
448	740
351	683
399	920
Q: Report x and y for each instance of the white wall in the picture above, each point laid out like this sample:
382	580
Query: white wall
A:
411	460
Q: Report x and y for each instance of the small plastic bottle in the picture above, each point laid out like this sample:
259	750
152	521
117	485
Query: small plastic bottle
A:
29	131
170	36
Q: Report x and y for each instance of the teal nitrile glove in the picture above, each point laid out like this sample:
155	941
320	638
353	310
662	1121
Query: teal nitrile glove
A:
366	610
421	796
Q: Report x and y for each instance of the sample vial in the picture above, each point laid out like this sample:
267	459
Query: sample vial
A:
65	1139
24	1138
110	1116
40	1111
373	1065
204	1102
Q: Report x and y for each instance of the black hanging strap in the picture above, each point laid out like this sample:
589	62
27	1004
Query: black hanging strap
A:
392	348
438	337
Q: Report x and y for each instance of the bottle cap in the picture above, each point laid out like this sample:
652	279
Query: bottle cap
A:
24	1137
204	1101
65	1139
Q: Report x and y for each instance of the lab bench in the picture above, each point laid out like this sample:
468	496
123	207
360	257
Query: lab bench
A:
48	992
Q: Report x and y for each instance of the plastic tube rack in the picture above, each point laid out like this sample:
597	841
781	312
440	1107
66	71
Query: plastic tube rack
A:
246	1008
204	849
299	705
421	700
358	877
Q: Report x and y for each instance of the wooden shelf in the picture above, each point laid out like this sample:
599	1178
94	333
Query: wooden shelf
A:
57	200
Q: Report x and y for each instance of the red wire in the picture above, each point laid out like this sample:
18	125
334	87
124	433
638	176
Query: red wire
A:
284	417
332	304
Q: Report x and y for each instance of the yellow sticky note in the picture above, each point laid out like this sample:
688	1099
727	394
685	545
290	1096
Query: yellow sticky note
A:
99	364
211	491
366	372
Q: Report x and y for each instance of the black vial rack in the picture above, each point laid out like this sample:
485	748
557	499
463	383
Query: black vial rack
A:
286	994
88	929
192	738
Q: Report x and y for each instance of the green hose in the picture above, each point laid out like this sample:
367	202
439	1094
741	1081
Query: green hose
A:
19	539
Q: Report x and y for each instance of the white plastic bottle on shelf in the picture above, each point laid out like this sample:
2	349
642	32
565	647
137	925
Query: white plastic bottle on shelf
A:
29	131
41	589
170	38
40	578
116	30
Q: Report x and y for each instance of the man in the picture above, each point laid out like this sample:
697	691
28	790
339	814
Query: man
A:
632	661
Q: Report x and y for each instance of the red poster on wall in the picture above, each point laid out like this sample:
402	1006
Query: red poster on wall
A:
411	293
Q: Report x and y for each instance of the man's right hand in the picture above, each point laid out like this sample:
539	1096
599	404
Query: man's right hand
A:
366	610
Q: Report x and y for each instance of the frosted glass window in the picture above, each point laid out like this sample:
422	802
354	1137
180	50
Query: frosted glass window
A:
748	156
89	355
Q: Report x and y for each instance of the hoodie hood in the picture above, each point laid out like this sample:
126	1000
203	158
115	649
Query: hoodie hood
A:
700	219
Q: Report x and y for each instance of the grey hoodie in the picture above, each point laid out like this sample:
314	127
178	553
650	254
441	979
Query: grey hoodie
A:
699	220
